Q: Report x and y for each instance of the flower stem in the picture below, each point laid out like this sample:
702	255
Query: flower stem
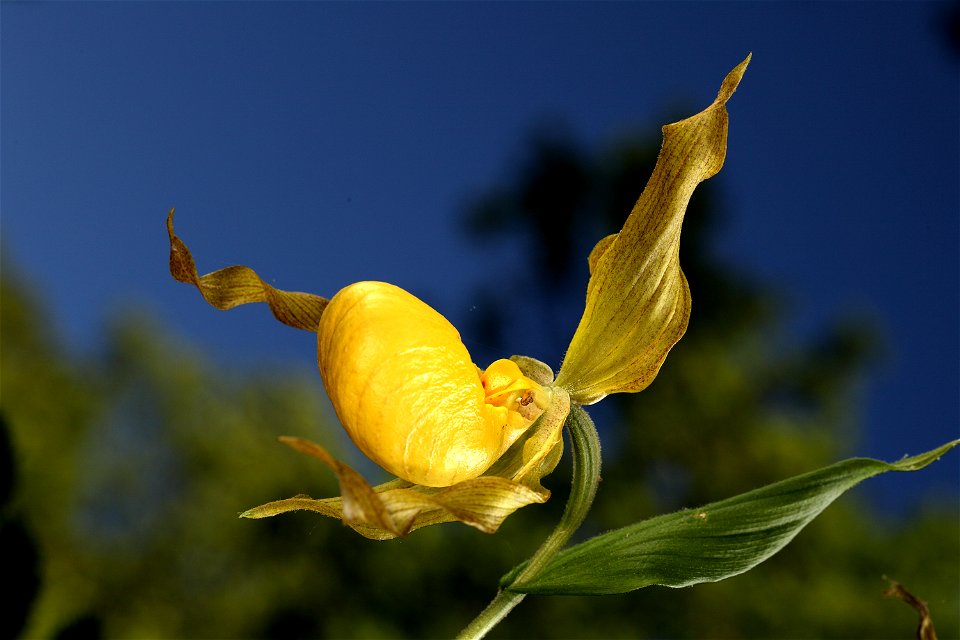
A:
496	611
585	445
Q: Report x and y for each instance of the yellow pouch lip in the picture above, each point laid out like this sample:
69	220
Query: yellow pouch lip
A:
406	391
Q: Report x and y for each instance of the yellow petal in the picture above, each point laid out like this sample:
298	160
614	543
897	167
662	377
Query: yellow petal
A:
232	286
407	392
638	301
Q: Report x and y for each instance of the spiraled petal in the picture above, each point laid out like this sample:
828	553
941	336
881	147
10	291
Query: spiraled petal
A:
236	285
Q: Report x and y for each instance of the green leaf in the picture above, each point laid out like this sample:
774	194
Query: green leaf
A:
712	543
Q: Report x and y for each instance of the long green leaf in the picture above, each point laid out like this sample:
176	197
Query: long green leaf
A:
718	541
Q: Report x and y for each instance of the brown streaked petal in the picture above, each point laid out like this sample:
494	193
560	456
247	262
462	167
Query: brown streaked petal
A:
397	508
361	504
638	301
236	285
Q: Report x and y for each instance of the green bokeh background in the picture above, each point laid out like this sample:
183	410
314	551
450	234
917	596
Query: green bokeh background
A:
127	465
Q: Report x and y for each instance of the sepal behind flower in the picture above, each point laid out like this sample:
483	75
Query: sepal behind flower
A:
638	300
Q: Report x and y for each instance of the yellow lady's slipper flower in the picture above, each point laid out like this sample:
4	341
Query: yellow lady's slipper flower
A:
465	444
472	445
638	301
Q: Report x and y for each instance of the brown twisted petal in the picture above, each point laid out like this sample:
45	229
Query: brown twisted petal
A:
236	285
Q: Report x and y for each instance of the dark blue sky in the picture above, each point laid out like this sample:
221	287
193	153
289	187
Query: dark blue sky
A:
323	144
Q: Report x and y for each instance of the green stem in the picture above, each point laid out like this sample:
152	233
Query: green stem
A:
496	611
586	476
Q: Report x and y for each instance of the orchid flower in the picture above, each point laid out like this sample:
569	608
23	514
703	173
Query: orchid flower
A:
469	444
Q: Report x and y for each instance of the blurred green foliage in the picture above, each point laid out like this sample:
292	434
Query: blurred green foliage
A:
129	465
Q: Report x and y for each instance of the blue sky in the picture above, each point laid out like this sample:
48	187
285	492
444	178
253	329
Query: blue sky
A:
326	143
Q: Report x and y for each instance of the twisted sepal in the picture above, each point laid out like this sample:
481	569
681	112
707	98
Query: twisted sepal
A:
232	286
638	301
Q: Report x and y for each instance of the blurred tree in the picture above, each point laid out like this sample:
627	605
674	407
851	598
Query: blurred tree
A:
18	551
133	460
